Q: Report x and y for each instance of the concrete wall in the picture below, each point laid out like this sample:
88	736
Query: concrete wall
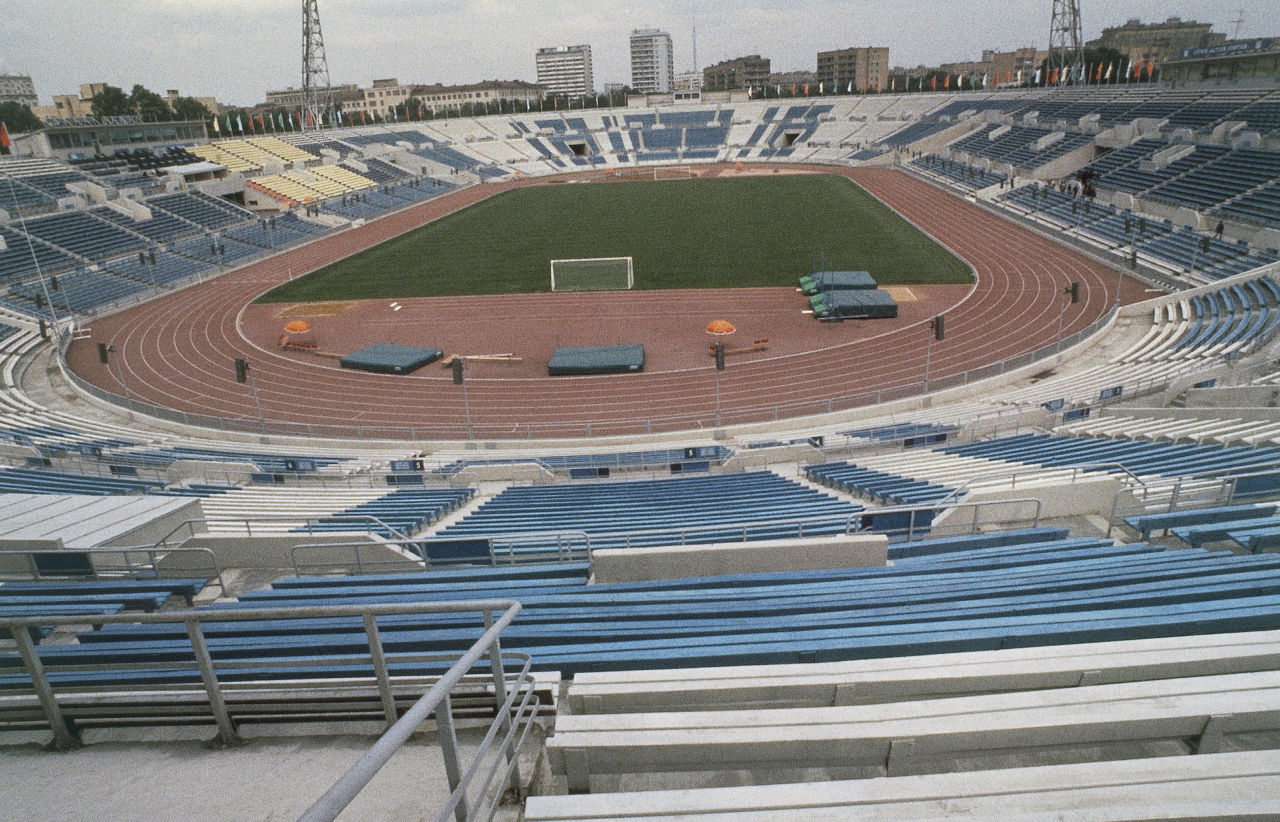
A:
682	561
513	472
158	528
1090	495
757	458
229	472
1251	398
20	564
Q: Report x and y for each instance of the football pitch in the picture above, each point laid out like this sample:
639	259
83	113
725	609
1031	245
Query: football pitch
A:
687	233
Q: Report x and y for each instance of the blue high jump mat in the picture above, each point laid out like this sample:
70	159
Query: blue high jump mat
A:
600	359
845	305
389	358
812	284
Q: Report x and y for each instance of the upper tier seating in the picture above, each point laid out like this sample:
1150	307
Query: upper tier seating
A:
201	209
658	512
82	233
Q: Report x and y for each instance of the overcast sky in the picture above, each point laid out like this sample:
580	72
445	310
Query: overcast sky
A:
237	49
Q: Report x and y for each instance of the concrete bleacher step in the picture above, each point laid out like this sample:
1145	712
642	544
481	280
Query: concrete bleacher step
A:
1224	786
924	735
927	677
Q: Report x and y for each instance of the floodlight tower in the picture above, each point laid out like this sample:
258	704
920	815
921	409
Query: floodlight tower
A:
1066	46
315	68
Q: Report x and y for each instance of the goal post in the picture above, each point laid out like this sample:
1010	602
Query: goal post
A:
592	274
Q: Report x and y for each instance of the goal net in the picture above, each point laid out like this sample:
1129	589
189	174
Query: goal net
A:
592	274
673	172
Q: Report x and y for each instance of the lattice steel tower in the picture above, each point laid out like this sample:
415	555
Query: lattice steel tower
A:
316	103
1066	46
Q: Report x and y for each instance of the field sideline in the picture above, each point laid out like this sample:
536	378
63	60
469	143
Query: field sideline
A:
692	233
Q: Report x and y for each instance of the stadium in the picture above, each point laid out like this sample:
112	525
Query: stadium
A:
1006	552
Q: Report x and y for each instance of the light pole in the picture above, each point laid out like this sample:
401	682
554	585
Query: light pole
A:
937	332
719	367
105	350
1072	293
243	374
458	379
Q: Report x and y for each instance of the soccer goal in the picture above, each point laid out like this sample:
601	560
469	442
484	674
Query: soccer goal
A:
673	172
592	274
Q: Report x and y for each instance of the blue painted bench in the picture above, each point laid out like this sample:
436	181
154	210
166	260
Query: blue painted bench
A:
1257	539
1197	535
1147	523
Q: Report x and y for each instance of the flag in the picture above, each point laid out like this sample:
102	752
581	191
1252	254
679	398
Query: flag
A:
850	89
946	81
893	84
394	116
240	124
250	123
291	125
1053	78
1151	67
933	83
6	145
216	130
1037	81
822	88
1008	77
311	119
339	116
793	89
1019	76
984	80
1131	71
1097	74
229	131
1110	70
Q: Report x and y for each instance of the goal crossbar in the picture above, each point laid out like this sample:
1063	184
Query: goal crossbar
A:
593	274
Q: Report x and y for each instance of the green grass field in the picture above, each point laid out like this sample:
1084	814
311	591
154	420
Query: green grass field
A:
691	233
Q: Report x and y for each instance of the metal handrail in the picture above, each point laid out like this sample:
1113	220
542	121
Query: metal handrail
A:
355	547
126	567
1013	475
248	524
163	542
435	700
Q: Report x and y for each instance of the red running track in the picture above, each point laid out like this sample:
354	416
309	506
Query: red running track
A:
176	352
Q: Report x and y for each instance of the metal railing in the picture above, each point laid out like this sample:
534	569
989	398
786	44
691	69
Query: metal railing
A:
101	568
1188	492
300	526
463	786
472	795
1039	472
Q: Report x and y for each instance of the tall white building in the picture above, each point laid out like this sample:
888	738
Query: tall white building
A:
652	64
565	70
18	88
